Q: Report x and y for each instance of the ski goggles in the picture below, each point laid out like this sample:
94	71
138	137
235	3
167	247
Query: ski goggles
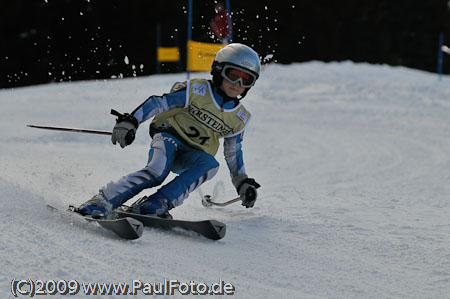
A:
236	74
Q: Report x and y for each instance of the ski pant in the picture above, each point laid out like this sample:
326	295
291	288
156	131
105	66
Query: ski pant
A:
194	167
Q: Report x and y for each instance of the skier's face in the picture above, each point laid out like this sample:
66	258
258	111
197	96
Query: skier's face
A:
232	89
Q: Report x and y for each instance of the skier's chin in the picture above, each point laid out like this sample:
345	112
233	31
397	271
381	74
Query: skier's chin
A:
232	93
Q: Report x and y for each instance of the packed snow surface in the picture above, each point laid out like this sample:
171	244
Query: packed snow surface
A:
353	159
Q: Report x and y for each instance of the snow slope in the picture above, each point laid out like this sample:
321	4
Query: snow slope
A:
354	165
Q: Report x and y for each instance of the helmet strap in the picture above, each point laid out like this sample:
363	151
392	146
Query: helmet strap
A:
226	98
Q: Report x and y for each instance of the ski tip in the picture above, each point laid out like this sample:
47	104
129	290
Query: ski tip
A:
137	226
220	228
126	228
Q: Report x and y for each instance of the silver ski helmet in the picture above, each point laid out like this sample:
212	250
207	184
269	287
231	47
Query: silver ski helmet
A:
239	56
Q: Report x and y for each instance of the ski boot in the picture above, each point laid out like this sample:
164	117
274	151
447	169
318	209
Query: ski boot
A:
97	207
155	205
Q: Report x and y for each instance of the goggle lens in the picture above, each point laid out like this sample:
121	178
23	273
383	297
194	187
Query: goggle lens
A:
234	75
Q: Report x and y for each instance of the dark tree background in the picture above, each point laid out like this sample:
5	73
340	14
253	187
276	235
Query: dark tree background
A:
64	40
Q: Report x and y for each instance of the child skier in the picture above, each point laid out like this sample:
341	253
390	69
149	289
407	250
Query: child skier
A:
186	128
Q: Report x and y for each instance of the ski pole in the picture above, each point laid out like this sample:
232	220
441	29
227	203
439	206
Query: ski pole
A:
207	201
77	130
66	129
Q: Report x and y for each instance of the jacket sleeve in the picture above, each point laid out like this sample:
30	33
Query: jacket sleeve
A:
233	155
157	104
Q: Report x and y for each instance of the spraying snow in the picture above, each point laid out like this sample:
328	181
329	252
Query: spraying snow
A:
354	165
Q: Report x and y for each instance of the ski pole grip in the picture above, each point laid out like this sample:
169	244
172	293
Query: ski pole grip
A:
125	117
116	113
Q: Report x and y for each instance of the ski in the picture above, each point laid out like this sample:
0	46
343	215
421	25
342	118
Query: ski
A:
211	229
126	227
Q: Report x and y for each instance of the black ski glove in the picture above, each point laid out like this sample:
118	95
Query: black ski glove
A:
125	129
246	188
